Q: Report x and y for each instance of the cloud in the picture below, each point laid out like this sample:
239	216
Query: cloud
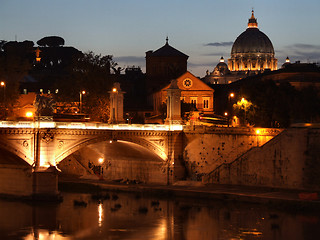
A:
301	52
304	46
219	44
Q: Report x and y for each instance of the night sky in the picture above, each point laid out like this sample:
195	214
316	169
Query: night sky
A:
203	29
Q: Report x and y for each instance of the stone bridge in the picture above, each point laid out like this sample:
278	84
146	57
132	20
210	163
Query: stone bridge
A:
46	144
177	151
43	145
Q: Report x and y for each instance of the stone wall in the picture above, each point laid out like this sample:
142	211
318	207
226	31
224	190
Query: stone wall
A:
290	160
136	170
205	149
15	180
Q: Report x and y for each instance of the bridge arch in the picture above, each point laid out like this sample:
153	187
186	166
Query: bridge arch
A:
156	146
19	149
7	157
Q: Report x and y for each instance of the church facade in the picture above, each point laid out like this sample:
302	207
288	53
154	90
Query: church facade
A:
193	91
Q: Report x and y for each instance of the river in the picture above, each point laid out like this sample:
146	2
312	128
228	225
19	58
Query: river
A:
134	216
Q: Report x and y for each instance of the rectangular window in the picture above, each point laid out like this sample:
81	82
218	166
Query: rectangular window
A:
193	101
206	101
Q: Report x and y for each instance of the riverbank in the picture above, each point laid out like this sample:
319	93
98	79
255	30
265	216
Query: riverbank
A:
188	189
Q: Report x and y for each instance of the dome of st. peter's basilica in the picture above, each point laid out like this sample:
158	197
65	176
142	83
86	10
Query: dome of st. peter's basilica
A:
252	50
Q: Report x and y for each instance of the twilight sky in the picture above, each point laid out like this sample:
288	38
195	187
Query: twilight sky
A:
204	29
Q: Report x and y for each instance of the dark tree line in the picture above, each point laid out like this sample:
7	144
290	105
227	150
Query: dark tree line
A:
89	73
62	71
280	105
15	63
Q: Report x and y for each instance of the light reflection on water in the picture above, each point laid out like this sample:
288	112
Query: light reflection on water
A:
131	217
43	234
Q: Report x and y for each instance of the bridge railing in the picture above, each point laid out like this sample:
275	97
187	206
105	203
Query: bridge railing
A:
88	125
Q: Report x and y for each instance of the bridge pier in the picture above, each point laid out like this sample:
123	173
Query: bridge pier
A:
45	184
19	181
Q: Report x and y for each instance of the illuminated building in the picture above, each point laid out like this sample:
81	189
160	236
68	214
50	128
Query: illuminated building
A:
38	51
193	90
251	53
252	50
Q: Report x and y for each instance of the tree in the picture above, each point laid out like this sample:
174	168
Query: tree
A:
51	41
280	105
15	63
245	111
90	73
97	106
2	43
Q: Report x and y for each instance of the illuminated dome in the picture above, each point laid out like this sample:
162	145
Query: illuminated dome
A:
252	41
221	68
252	50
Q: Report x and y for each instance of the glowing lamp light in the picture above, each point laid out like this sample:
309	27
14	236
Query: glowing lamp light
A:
258	131
29	114
114	89
83	92
100	160
2	84
232	95
226	114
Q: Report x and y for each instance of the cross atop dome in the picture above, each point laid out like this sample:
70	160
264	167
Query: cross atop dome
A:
252	21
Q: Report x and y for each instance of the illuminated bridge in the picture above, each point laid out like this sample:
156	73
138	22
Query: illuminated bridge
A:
56	140
30	151
45	144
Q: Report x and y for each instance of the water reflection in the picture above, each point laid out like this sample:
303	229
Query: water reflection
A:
100	214
125	216
43	234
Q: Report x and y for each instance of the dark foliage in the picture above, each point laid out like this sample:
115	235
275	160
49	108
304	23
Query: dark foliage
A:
280	105
51	41
15	63
89	73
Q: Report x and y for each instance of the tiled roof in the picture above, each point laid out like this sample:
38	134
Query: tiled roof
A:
168	51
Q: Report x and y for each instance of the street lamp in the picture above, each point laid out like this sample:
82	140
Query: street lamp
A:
227	116
80	103
3	84
100	160
229	105
246	104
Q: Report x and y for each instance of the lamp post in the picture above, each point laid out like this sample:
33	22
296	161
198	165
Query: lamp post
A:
229	106
100	160
227	116
3	84
245	104
80	103
230	96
